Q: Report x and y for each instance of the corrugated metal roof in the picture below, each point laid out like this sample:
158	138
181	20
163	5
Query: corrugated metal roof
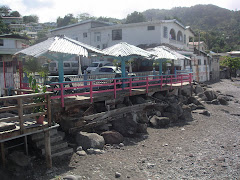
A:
59	45
124	49
161	53
178	55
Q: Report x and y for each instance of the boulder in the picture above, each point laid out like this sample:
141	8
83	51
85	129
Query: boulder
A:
193	100
4	126
215	101
112	137
203	112
126	125
142	117
192	106
202	96
159	95
198	89
172	99
211	95
89	140
142	128
137	100
159	122
223	100
187	115
174	108
120	106
172	116
186	92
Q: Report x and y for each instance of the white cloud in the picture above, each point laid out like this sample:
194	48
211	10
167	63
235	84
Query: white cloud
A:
49	10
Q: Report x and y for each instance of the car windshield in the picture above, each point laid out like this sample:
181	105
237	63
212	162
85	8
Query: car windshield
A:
52	64
94	65
106	70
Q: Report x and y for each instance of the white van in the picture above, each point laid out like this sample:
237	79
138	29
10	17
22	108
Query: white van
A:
95	66
69	67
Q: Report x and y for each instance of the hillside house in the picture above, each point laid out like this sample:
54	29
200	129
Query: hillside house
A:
9	45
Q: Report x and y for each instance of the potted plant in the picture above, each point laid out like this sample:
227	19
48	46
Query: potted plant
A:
37	89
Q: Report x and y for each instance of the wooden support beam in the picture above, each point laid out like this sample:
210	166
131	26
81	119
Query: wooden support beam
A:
3	155
20	115
49	111
48	148
26	145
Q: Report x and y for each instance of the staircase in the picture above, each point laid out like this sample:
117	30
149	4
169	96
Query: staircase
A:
59	147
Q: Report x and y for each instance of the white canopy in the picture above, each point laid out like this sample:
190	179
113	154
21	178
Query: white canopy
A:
124	49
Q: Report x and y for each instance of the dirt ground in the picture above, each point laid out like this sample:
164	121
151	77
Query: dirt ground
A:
204	148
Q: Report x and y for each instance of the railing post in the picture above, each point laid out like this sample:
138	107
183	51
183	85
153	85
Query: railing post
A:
130	87
147	85
171	80
161	81
181	80
48	148
91	93
20	115
49	114
62	95
115	88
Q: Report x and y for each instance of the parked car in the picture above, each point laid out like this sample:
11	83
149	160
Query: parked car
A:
69	67
95	66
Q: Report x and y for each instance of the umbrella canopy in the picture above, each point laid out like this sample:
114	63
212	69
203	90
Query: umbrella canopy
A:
161	53
124	49
124	52
59	48
59	44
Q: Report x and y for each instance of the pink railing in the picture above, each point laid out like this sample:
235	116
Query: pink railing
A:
114	85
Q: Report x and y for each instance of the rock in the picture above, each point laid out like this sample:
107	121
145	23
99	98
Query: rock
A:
222	100
193	106
68	122
79	148
126	125
89	140
172	116
120	106
81	153
193	100
4	126
112	137
72	177
172	99
203	97
95	151
142	128
200	107
174	108
117	175
204	112
158	95
142	117
137	100
187	115
104	127
121	145
100	107
159	122
215	101
211	95
198	89
186	92
158	113
20	159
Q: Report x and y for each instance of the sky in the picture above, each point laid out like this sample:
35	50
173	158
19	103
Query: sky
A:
50	10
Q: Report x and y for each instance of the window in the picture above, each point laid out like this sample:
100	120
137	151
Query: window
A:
151	28
97	37
172	34
75	64
1	42
179	36
66	64
205	62
165	33
117	34
85	35
76	38
199	61
104	46
184	40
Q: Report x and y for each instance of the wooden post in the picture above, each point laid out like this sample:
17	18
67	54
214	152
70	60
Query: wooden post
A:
20	115
49	114
3	154
48	148
4	75
26	145
147	85
91	93
161	81
20	74
115	89
62	95
181	80
130	87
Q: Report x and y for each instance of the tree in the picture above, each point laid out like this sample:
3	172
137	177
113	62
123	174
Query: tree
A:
135	17
68	19
85	16
4	29
31	18
4	11
15	14
233	63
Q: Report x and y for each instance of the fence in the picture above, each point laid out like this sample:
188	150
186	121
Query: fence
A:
114	85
